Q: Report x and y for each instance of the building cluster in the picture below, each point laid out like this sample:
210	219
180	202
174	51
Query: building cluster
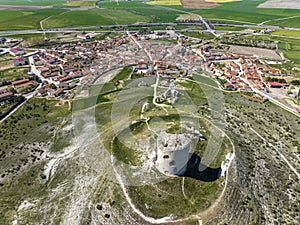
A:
62	67
5	94
18	55
166	70
9	42
239	72
211	54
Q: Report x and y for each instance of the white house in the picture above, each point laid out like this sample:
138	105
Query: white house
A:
84	36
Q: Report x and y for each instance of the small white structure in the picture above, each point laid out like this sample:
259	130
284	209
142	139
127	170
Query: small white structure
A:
172	153
84	36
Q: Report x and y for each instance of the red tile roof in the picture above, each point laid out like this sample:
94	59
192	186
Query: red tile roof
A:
19	82
24	84
277	84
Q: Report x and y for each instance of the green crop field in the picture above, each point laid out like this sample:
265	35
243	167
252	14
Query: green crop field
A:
137	11
58	17
30	19
246	11
93	17
290	22
291	33
292	55
153	12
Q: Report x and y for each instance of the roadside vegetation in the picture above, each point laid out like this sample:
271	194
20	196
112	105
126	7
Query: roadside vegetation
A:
201	35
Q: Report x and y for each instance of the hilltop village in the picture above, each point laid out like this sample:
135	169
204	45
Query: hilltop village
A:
56	71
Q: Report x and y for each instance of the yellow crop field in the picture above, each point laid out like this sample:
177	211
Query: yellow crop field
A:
292	33
165	2
83	3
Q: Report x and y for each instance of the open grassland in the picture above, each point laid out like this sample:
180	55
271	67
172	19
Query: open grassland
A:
205	80
13	74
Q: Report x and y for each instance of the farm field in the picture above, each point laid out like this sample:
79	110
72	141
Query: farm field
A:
292	55
290	33
247	8
32	2
30	19
84	3
155	13
165	2
287	4
290	22
137	11
111	13
93	17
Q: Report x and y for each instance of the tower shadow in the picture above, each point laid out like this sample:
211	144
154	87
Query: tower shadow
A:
199	171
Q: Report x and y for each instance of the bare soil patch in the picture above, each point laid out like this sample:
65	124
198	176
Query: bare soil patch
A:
283	4
198	4
261	52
